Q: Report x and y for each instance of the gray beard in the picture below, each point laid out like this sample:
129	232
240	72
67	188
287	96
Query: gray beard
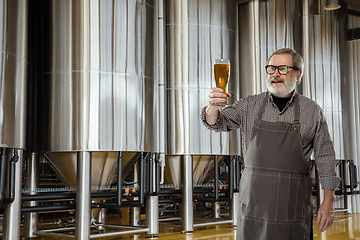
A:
285	91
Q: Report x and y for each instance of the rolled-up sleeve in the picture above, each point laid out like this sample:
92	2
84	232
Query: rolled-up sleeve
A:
229	117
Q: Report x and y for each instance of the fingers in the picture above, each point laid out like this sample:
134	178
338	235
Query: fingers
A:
325	224
216	96
318	218
325	220
215	89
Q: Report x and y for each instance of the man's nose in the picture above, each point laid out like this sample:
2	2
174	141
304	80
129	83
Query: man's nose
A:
276	73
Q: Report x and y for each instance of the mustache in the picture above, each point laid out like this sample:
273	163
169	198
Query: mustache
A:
276	79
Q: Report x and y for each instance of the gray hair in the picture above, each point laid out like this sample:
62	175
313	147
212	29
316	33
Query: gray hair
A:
297	61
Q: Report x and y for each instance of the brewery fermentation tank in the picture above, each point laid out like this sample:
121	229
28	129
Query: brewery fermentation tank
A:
197	33
13	66
92	83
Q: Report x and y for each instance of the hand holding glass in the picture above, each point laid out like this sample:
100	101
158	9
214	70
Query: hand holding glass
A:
222	76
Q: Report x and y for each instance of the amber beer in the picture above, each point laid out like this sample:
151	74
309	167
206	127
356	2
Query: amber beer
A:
222	75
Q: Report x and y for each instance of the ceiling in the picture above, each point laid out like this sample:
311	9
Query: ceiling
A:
353	5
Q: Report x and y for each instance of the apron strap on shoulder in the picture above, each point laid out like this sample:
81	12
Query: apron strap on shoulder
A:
262	108
296	113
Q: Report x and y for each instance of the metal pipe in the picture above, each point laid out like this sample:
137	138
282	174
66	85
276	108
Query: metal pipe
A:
157	174
83	196
238	166
207	190
154	175
12	177
234	208
216	207
12	211
101	219
56	229
342	170
152	214
65	196
196	190
353	176
32	182
170	191
343	183
122	227
50	208
53	233
162	166
113	234
212	223
3	163
119	179
151	180
50	234
171	200
187	214
212	199
231	176
161	86
169	219
143	177
216	177
135	210
131	204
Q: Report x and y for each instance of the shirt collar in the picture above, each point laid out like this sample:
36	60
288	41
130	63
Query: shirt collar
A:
289	102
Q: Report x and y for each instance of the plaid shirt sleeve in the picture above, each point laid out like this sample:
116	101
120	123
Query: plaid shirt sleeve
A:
324	154
229	118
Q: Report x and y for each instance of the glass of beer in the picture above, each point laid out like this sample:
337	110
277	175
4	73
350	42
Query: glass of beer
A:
222	75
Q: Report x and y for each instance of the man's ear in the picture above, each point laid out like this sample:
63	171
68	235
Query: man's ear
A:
299	75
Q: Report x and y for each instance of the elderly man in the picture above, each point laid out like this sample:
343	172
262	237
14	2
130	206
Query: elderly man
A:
280	130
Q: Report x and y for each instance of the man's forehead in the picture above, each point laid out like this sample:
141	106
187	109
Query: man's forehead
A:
283	57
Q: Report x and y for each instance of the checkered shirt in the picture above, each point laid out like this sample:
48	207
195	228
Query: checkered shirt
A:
314	131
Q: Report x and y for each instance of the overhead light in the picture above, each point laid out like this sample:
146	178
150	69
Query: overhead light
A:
332	5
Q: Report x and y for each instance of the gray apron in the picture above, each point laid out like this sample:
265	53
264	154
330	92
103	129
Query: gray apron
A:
275	185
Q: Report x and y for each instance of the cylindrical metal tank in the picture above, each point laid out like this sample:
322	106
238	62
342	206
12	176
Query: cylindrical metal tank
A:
13	66
92	81
93	75
324	40
265	26
197	33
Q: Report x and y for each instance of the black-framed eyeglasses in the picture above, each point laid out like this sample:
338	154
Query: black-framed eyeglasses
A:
282	69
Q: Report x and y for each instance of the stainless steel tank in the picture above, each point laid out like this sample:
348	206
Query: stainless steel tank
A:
326	86
92	81
197	33
13	66
265	26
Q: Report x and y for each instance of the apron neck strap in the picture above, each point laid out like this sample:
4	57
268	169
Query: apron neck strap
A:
296	112
262	108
